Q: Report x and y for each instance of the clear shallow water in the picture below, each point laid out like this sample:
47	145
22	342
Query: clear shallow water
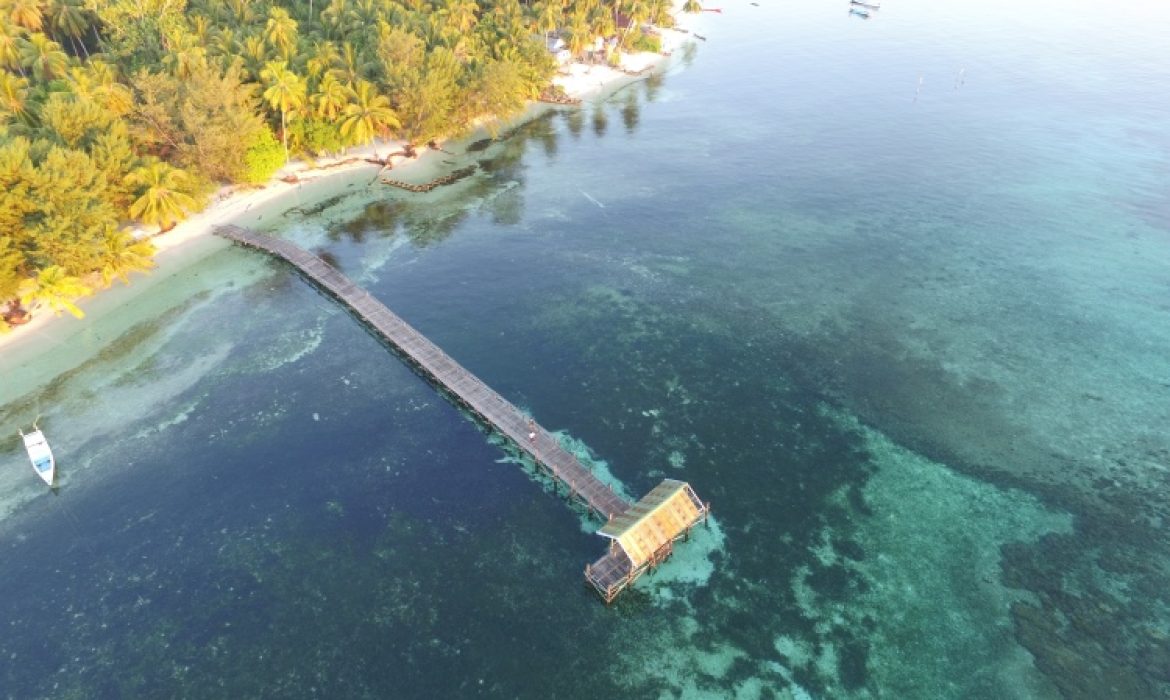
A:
913	351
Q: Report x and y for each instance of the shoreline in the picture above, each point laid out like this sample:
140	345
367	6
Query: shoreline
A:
180	247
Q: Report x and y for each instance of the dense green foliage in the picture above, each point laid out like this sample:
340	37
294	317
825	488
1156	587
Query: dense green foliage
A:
263	158
121	111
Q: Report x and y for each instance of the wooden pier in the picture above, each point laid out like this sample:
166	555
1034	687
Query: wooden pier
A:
464	386
626	559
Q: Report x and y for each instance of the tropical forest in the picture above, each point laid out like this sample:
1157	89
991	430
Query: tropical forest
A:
119	118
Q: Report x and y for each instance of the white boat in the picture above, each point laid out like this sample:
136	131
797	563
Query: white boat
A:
40	454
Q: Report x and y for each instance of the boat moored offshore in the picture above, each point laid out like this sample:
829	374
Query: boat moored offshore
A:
40	454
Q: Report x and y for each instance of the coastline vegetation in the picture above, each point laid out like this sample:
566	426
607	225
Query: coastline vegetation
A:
119	116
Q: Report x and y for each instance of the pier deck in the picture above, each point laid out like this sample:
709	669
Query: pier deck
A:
464	386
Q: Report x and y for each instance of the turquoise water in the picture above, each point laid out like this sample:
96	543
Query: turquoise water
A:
892	294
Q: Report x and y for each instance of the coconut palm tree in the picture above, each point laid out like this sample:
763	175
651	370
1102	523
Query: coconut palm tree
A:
603	21
255	53
285	91
636	12
692	6
242	11
43	57
54	288
10	46
367	115
366	13
223	43
336	17
660	13
281	31
578	34
350	69
163	198
201	28
323	56
547	16
14	97
330	98
123	254
11	276
67	18
461	15
186	56
106	90
27	13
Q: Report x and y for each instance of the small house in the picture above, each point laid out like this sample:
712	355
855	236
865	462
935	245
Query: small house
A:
643	536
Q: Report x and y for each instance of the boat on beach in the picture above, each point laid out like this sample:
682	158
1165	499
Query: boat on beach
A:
40	454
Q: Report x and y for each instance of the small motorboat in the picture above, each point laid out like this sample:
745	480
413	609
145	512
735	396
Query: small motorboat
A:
40	454
867	5
864	14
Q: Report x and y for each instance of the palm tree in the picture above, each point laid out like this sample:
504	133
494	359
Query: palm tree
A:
123	254
11	276
366	13
548	15
281	31
334	17
107	91
241	11
461	14
186	56
43	57
636	12
53	288
14	99
692	6
350	70
10	46
579	35
285	91
163	197
255	53
603	21
432	29
660	13
26	13
368	115
201	29
68	18
323	56
223	42
330	98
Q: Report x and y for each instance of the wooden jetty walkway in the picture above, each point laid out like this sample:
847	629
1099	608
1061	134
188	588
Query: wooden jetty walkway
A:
451	178
641	534
463	385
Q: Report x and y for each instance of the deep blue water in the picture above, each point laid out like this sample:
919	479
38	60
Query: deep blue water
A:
890	293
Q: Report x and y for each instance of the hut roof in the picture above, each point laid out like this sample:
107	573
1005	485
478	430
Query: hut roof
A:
661	517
